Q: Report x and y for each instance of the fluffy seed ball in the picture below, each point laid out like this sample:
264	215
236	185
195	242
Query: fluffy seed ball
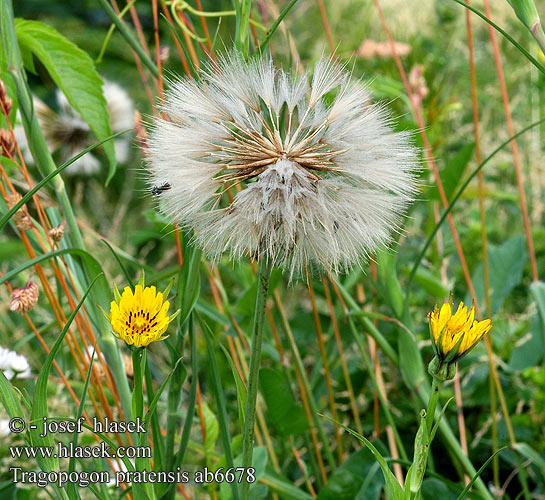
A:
302	171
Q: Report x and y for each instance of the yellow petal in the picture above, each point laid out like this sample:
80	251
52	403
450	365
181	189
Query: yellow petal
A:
450	339
439	320
476	333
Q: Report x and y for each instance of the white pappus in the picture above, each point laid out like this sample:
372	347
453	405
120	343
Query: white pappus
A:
300	170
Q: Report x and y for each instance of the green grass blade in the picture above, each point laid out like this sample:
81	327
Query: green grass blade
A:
122	267
263	44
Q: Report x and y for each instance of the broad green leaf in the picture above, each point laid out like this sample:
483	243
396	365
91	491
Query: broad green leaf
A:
388	282
410	358
431	283
74	73
286	416
432	489
453	172
528	349
506	263
189	284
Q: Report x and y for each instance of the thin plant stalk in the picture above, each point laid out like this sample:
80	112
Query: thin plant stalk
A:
428	149
263	278
383	401
432	403
342	358
514	148
129	37
304	379
325	363
484	241
327	29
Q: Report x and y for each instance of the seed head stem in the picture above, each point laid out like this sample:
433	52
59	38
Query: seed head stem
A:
263	277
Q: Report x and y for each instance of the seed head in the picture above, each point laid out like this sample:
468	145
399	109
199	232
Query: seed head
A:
7	144
24	299
22	219
321	178
5	99
56	233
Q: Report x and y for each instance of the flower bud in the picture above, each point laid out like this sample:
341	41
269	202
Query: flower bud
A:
453	336
24	299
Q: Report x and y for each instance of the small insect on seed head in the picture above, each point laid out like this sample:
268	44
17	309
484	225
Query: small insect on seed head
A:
157	190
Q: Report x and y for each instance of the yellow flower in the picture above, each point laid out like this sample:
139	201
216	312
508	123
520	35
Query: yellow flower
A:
141	317
454	335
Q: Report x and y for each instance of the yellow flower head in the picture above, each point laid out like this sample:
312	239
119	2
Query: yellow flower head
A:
140	318
454	335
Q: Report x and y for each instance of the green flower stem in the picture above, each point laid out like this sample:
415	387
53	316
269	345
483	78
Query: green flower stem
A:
432	403
453	444
263	278
141	491
138	393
